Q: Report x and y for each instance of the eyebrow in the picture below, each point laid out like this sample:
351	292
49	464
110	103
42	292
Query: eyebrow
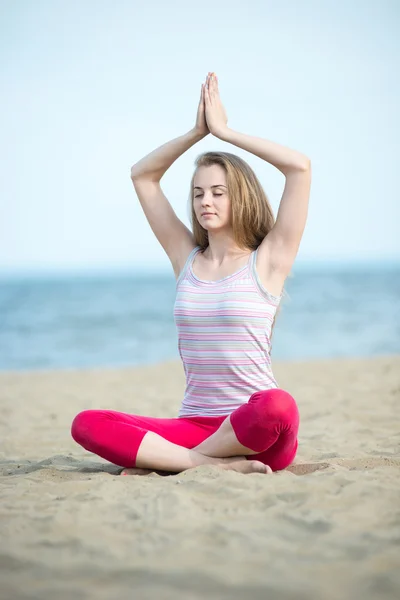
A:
213	186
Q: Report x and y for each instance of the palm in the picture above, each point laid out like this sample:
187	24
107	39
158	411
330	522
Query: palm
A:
216	117
201	123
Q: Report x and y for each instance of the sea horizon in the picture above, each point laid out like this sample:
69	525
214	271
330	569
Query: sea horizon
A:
125	318
155	271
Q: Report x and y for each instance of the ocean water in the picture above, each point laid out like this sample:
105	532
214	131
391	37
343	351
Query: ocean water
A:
127	319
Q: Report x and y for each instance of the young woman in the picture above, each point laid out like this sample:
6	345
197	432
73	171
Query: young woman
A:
230	275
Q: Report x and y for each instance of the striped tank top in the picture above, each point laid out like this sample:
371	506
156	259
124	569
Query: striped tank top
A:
224	330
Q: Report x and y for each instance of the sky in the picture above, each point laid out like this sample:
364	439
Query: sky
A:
88	88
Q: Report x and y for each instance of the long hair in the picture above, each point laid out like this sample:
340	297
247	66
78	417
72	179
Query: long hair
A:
252	216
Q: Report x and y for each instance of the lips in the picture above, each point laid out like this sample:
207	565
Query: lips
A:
207	213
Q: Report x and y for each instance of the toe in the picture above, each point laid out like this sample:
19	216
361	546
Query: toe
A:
259	467
135	471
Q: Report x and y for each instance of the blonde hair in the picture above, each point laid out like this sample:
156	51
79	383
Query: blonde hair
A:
252	216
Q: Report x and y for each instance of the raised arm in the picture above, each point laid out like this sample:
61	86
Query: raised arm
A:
281	245
279	248
173	235
176	239
153	166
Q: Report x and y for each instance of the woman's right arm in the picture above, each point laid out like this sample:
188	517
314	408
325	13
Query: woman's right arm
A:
154	165
173	235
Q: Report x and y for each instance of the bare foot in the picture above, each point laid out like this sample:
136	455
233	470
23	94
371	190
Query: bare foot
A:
136	471
235	463
242	465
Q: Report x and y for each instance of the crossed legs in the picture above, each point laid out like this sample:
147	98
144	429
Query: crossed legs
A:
265	429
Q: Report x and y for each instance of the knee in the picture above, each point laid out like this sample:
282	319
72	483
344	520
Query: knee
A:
275	405
82	425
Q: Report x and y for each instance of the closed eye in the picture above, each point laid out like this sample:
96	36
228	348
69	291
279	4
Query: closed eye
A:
198	195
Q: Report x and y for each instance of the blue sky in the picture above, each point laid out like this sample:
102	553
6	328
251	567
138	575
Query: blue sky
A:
88	88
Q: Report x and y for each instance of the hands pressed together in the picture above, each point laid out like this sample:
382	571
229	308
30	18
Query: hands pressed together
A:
211	115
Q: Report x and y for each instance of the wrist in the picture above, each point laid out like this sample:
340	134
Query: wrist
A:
198	134
222	133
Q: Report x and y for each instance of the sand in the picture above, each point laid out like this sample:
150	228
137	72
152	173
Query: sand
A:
328	527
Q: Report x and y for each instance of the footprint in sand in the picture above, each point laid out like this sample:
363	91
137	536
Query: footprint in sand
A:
352	464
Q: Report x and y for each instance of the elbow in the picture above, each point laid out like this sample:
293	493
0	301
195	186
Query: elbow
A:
301	165
144	175
133	174
136	171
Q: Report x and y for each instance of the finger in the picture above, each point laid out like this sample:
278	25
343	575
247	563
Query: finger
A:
207	87
212	87
216	83
201	100
213	83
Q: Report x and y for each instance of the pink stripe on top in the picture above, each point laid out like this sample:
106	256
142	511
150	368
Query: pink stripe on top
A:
224	330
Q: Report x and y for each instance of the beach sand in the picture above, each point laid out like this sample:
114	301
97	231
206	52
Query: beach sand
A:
328	527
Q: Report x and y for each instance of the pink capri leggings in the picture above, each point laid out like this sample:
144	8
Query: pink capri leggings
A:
267	424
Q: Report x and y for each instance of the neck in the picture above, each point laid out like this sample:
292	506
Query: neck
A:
221	253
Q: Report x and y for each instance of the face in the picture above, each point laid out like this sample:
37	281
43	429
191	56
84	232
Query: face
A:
211	196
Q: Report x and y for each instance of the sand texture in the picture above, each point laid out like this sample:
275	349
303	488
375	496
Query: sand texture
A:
326	528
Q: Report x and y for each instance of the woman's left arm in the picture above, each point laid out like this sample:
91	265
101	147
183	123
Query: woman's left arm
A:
285	236
281	244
